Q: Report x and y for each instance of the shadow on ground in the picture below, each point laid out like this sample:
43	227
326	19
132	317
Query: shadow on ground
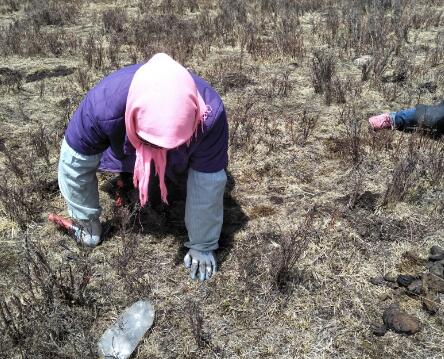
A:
161	220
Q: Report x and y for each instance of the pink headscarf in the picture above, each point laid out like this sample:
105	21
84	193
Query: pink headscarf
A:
164	108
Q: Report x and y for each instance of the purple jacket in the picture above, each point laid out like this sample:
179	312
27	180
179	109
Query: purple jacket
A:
98	126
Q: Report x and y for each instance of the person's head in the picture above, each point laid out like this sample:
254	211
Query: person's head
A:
163	111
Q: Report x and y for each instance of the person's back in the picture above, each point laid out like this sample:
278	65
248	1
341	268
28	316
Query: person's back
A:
101	114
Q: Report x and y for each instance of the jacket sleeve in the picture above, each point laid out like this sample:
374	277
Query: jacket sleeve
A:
211	154
204	209
431	117
114	130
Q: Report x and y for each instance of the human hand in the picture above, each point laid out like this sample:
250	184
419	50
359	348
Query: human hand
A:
87	232
202	261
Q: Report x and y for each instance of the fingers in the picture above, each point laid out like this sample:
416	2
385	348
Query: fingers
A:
202	264
194	267
187	261
213	263
209	270
202	271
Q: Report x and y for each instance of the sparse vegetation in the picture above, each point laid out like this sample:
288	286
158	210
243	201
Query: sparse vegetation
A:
316	204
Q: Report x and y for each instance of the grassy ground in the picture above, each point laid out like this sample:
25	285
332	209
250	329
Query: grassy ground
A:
317	204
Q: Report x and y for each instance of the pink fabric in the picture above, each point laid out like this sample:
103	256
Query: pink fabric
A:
163	108
381	122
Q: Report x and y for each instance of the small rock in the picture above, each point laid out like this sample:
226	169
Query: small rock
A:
377	281
390	277
363	61
404	280
431	303
415	287
436	253
399	321
436	257
437	269
379	330
436	250
434	283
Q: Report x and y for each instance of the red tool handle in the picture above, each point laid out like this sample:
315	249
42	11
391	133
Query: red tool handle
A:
60	221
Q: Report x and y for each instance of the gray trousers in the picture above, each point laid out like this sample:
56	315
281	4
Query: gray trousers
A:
78	183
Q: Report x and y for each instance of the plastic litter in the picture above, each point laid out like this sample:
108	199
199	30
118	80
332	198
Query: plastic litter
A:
120	340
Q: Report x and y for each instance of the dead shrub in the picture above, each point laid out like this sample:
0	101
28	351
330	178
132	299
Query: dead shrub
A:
25	183
339	91
381	60
52	309
351	118
114	20
145	6
231	15
435	55
433	161
380	142
289	37
291	247
17	204
354	187
323	68
122	225
12	5
405	171
238	121
164	33
39	141
53	12
24	39
301	127
21	38
259	47
280	85
206	34
297	7
83	78
178	7
113	49
10	79
93	51
67	106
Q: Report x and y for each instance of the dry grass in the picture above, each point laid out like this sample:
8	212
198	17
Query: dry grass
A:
316	204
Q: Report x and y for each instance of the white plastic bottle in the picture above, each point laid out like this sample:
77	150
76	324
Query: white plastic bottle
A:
120	340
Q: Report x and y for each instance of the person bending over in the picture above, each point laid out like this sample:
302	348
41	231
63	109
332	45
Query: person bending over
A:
150	117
